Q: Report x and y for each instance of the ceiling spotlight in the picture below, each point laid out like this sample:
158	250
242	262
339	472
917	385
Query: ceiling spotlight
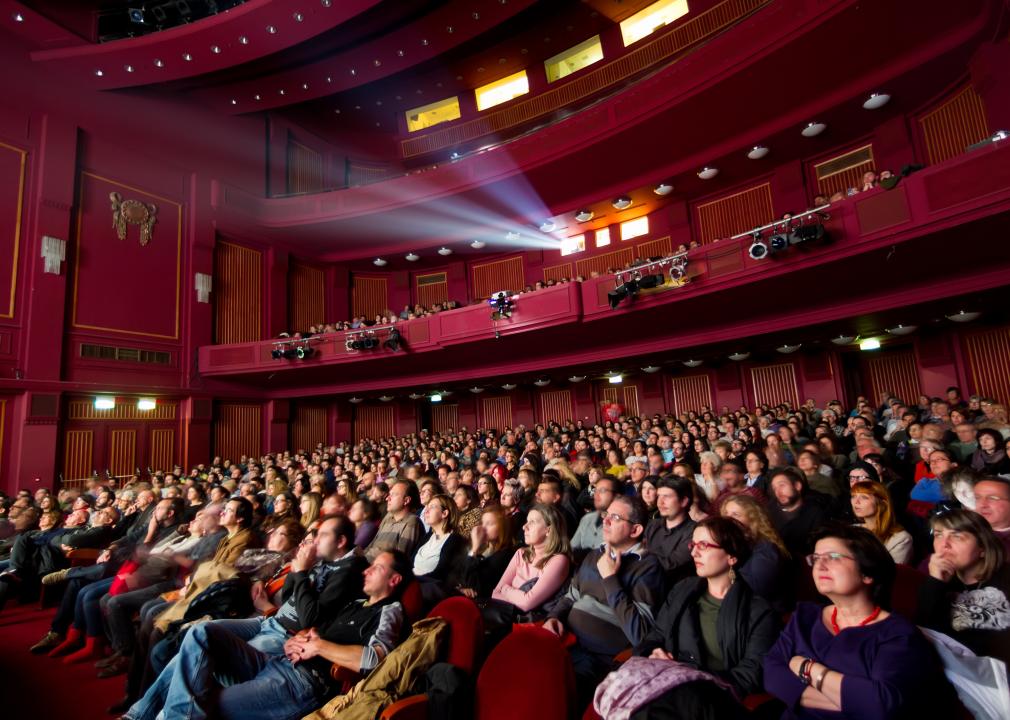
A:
326	3
480	244
512	235
454	155
999	135
963	316
257	97
128	68
271	29
379	262
651	369
476	389
758	248
876	101
869	344
187	57
216	49
386	398
415	396
99	73
298	17
355	400
18	17
576	378
621	203
542	382
739	356
508	386
444	251
584	215
902	329
843	339
158	63
692	363
547	226
707	173
412	257
757	152
787	349
243	40
663	189
813	129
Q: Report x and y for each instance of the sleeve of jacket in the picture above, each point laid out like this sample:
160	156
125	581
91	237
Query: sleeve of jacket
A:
315	608
574	592
933	609
448	557
95	537
661	629
635	610
764	628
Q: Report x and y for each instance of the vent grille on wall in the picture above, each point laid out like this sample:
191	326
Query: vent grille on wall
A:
111	352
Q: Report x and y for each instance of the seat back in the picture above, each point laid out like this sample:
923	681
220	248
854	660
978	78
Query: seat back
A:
533	661
905	594
413	602
466	632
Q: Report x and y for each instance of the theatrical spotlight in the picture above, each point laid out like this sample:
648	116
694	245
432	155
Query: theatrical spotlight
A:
395	341
304	351
758	248
809	232
501	304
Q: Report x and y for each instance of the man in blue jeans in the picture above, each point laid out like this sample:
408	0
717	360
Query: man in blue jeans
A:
219	672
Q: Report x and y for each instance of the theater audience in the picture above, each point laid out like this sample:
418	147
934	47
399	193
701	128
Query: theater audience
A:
589	533
871	506
796	510
491	549
536	572
854	658
400	529
667	536
768	570
440	549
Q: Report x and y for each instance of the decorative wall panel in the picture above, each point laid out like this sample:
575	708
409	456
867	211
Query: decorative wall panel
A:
690	393
370	297
556	406
491	277
496	412
775	384
238	430
444	417
988	359
373	421
733	214
894	372
306	296
957	123
238	293
13	170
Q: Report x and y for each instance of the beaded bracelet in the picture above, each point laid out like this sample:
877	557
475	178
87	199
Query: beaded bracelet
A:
804	673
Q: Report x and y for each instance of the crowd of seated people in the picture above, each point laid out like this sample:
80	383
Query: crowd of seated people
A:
361	322
732	553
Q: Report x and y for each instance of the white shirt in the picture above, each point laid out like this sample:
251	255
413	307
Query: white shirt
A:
426	559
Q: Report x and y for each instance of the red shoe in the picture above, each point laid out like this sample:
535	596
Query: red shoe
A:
74	641
92	649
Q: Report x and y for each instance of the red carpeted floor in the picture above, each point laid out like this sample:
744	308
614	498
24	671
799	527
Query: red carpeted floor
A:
36	687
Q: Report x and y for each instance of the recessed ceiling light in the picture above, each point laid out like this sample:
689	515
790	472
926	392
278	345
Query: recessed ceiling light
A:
449	29
692	363
622	203
902	329
257	97
187	57
444	251
243	40
475	15
353	72
271	29
379	262
813	129
584	215
216	49
99	72
843	339
663	189
547	226
281	92
876	101
128	68
707	173
739	356
159	63
508	386
326	3
757	152
399	53
478	244
329	78
305	86
424	42
376	63
18	17
963	316
298	17
234	101
788	349
412	257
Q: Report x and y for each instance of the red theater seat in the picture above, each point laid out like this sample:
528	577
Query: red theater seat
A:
528	675
905	595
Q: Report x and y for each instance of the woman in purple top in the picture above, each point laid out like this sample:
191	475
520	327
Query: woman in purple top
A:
853	658
365	515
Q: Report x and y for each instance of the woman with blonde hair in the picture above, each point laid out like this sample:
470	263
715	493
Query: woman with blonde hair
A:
536	572
768	570
708	478
871	504
310	505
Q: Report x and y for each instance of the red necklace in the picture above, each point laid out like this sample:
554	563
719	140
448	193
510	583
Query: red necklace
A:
866	621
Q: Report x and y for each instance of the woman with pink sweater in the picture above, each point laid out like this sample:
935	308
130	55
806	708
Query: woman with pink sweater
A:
536	572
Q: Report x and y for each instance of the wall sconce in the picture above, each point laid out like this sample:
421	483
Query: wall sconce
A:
203	283
54	252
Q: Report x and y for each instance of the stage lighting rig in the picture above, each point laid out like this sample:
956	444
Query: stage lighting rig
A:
291	348
801	229
648	275
370	339
502	304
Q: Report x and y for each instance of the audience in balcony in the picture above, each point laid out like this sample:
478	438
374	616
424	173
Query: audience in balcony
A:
534	487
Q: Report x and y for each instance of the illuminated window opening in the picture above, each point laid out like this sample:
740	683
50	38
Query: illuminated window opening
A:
502	90
431	114
635	228
652	18
574	59
603	237
573	245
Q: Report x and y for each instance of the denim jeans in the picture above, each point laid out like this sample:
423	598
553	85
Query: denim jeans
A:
253	684
87	611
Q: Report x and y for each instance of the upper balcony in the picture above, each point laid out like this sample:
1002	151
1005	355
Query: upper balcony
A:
888	250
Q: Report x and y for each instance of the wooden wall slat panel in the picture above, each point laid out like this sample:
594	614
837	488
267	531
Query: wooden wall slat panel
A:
122	452
370	297
691	393
556	405
85	410
630	393
308	426
604	263
988	356
373	421
775	384
444	417
895	372
491	277
238	430
77	454
958	122
558	272
497	412
306	296
162	454
305	169
732	214
654	248
238	293
431	289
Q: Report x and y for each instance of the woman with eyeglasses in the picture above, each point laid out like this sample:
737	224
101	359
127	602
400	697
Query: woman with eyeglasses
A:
714	623
967	595
853	658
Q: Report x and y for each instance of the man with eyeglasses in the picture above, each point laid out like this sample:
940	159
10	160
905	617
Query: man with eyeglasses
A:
589	533
611	601
992	501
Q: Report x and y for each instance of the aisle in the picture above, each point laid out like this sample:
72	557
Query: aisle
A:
35	687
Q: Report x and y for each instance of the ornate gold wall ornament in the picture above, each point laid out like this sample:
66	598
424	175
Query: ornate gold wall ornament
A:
133	212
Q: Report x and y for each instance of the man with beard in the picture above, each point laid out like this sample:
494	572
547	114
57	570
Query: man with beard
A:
795	509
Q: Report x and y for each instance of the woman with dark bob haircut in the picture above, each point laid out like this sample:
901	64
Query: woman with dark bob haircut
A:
853	658
967	595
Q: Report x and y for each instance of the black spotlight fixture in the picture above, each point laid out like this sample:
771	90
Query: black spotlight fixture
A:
758	247
678	269
501	305
289	353
304	351
778	243
276	353
136	15
647	282
616	295
808	233
395	340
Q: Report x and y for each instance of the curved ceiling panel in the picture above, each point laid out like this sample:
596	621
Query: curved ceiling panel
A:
250	31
